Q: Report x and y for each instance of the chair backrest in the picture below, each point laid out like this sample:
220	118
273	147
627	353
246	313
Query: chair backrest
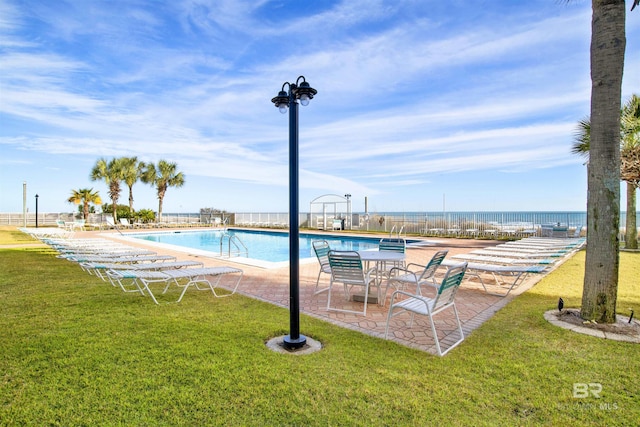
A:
124	221
110	221
434	263
321	249
395	245
450	285
346	267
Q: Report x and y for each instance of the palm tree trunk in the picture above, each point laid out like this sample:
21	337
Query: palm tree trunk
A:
161	193
631	235
130	199
159	210
114	208
600	286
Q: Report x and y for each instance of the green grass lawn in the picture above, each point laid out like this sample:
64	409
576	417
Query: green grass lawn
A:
76	351
13	236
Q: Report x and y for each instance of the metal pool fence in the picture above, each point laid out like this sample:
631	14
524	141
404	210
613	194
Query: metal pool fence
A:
466	224
460	224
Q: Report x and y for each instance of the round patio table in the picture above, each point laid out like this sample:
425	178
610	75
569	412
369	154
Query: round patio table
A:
380	258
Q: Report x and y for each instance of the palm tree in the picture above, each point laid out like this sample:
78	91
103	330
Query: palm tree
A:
608	43
85	196
163	176
629	156
111	173
630	165
131	171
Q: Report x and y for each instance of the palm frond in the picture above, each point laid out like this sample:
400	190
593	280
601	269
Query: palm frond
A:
582	138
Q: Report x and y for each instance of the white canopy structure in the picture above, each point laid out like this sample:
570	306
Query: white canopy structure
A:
330	212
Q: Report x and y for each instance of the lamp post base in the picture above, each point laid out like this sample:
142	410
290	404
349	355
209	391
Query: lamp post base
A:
291	344
277	344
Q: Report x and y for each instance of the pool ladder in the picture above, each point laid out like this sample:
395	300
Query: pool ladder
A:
234	246
398	233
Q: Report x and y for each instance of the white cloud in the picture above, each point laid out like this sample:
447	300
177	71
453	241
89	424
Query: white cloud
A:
404	91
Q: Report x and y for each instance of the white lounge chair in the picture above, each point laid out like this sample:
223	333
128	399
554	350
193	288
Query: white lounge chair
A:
111	252
509	276
99	268
529	249
489	259
184	278
78	224
518	254
122	259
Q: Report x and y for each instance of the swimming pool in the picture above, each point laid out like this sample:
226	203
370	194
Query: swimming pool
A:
270	247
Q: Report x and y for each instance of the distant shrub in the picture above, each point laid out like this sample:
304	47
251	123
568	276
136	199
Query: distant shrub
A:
145	216
212	211
122	211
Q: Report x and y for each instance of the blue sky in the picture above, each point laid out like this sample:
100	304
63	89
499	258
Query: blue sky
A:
473	102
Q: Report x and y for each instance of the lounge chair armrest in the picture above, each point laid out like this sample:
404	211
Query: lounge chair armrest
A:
421	298
419	267
401	292
416	265
408	270
400	269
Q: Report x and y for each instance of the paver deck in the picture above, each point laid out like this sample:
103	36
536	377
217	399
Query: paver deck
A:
474	305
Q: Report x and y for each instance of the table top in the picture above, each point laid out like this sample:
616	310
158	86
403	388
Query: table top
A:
381	256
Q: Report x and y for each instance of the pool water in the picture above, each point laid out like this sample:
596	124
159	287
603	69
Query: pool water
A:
262	245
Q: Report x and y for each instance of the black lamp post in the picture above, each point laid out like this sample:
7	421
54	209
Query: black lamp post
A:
349	216
37	210
289	100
